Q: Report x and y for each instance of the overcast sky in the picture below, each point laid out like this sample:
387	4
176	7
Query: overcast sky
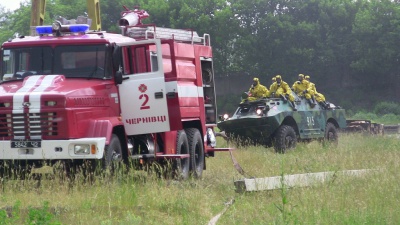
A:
10	4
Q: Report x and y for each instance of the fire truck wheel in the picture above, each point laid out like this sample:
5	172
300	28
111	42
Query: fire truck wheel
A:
196	150
113	153
331	135
181	166
285	138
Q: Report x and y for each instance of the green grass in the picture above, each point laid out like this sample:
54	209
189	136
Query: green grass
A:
138	197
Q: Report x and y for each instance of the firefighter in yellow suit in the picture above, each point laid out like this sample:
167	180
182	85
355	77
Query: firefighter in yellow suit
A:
280	89
301	86
257	90
320	98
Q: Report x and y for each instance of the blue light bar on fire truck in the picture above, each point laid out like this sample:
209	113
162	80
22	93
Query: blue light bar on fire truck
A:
73	28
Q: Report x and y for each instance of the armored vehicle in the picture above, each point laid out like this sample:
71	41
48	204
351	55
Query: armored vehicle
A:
273	122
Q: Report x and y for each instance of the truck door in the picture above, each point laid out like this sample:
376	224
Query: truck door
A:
142	93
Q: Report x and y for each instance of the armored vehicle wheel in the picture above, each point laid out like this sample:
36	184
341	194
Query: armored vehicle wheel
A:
113	154
182	166
331	134
285	138
196	149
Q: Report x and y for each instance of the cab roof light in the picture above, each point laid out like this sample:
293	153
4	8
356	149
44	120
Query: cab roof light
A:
44	30
78	28
73	28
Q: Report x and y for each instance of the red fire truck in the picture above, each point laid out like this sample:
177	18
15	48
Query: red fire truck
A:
73	95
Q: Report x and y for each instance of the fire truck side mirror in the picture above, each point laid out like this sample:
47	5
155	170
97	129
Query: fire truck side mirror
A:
118	77
117	64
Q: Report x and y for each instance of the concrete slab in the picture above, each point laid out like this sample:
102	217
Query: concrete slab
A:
295	180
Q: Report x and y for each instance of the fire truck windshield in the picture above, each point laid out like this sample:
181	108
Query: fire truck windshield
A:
75	61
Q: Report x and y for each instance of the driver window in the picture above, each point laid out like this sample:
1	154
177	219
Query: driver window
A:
143	59
81	61
140	59
8	62
23	61
68	60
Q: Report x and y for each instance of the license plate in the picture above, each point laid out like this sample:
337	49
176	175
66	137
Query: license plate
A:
26	144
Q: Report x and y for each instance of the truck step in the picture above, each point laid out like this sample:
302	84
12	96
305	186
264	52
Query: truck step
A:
142	156
160	156
173	156
220	149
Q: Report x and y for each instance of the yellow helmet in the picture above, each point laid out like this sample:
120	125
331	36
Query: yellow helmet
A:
255	79
278	77
307	77
273	79
301	75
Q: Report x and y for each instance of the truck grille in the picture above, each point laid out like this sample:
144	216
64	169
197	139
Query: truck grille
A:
28	125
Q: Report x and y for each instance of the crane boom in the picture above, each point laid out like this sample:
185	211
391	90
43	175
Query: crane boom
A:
93	7
37	13
39	7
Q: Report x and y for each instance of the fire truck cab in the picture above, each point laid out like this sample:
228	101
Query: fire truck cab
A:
73	95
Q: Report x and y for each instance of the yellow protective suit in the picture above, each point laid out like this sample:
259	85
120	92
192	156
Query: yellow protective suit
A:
299	87
281	89
257	90
273	81
313	91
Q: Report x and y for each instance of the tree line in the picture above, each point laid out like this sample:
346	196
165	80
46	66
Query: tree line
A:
348	47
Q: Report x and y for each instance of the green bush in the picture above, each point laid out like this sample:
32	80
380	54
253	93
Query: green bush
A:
6	219
387	119
365	116
35	215
41	215
383	108
390	119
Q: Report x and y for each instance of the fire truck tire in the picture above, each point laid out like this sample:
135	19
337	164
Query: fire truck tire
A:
196	150
331	135
285	138
113	154
182	166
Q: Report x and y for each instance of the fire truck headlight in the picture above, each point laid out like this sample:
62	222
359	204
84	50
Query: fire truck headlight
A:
259	112
82	149
7	104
